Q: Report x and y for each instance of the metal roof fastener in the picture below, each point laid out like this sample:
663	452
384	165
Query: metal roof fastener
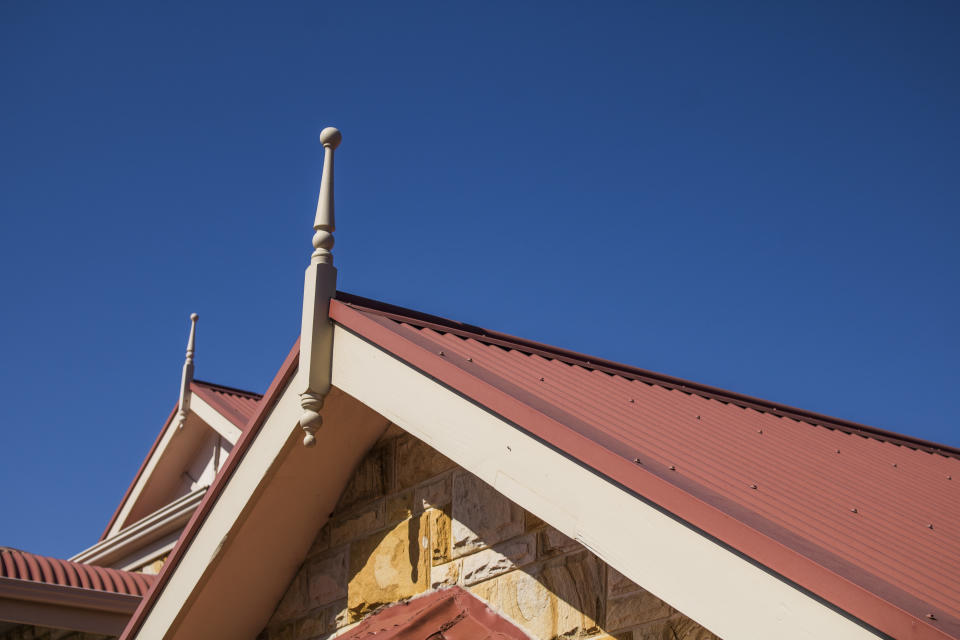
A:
753	486
673	467
541	379
854	510
760	431
930	526
894	465
469	359
637	460
930	616
632	401
442	353
838	450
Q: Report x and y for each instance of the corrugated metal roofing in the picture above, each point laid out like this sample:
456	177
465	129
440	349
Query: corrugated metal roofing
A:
27	566
878	509
236	405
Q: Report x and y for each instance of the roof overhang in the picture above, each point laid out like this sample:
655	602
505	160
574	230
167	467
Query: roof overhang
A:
260	515
52	605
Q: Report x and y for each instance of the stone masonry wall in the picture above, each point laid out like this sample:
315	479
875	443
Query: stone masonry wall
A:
410	520
30	632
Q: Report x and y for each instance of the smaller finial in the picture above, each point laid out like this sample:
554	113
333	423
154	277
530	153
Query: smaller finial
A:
187	376
325	224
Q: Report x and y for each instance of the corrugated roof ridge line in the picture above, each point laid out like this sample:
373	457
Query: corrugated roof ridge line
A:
404	315
222	388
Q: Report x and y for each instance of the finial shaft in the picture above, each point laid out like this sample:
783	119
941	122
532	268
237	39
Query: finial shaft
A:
325	223
187	376
320	284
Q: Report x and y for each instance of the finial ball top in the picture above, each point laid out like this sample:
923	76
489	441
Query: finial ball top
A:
330	137
194	317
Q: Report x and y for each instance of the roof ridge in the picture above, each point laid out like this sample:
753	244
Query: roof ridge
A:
425	320
226	389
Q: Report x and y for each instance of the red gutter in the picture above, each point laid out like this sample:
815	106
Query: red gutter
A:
835	589
250	432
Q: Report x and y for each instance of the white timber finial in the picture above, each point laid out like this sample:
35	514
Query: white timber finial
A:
187	377
319	286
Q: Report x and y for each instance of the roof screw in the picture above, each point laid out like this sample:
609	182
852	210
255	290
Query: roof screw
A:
442	353
541	379
949	477
894	465
632	401
854	510
838	450
637	460
673	467
753	486
469	359
698	417
930	526
760	431
930	616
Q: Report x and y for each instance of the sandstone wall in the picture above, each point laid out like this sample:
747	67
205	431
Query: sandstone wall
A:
410	520
29	632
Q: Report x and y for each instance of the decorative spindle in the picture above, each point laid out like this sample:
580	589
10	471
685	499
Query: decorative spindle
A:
187	377
320	284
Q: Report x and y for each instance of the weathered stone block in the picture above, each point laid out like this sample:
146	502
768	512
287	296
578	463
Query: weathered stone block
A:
577	580
551	542
634	610
488	591
357	525
436	494
677	627
440	535
294	601
389	566
399	506
322	542
526	601
445	575
501	558
619	584
327	578
481	516
418	462
336	615
372	479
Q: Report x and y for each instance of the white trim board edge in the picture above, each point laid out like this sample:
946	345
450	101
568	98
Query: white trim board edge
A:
711	584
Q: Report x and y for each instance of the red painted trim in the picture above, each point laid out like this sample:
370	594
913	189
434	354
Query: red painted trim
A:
860	602
451	614
444	325
250	432
136	478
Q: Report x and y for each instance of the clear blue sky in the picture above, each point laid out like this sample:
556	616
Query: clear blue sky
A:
758	196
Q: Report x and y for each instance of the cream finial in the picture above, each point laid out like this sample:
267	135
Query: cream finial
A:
187	376
320	284
325	224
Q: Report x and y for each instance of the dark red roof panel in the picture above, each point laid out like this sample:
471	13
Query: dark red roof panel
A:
27	566
867	519
236	405
449	614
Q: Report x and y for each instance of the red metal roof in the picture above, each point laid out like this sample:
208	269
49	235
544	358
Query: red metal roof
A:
236	405
449	614
27	566
867	519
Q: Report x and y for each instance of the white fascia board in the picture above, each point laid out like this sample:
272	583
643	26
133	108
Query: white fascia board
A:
727	594
214	419
208	543
169	432
136	537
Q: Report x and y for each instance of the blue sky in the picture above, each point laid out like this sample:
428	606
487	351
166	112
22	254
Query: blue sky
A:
759	196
